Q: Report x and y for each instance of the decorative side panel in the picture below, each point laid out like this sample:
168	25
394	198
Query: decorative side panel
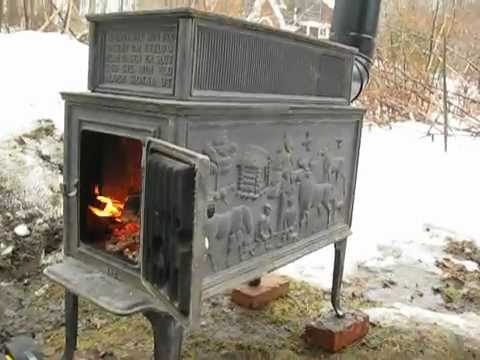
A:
232	61
273	183
139	58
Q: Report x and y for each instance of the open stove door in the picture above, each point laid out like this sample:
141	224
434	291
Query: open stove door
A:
173	215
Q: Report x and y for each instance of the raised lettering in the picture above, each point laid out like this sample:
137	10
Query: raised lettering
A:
144	58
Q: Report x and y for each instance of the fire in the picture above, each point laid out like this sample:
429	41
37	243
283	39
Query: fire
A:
124	228
113	208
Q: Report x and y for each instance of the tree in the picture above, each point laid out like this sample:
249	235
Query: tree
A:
1	14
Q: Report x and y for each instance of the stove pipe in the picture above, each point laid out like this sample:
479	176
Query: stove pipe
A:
355	23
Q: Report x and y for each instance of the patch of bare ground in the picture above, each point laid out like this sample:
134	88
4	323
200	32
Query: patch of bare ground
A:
460	287
274	333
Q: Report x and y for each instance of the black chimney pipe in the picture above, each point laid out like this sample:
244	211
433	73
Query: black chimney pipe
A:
355	23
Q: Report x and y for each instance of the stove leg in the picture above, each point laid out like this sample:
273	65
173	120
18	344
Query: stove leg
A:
71	325
167	336
340	248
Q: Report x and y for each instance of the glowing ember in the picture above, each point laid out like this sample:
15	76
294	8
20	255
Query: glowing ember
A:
113	208
124	227
124	232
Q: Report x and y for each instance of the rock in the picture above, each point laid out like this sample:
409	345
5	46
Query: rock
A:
6	250
20	214
22	230
42	290
388	283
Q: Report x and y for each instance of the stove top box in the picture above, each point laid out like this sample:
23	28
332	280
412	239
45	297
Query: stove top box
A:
189	55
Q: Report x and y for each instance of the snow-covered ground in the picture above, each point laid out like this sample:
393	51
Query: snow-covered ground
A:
411	197
406	183
34	68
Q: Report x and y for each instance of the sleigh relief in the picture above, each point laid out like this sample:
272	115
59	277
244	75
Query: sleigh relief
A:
267	199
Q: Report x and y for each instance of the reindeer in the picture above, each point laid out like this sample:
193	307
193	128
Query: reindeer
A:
332	166
234	225
333	173
318	196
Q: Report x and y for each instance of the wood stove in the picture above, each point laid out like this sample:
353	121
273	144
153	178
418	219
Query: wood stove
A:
208	152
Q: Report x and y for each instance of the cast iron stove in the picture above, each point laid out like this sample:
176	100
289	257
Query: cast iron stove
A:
209	152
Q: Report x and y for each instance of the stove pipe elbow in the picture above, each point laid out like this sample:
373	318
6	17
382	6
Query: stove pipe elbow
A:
355	23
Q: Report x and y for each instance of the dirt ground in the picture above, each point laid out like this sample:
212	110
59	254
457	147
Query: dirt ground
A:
227	331
30	304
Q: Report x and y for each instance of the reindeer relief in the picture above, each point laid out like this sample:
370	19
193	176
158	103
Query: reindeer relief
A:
268	199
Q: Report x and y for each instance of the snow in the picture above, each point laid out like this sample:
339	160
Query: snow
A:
34	68
410	198
465	325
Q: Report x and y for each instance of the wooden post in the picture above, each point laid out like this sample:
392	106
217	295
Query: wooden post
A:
445	94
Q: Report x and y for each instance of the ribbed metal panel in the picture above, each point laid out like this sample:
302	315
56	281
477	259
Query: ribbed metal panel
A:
244	62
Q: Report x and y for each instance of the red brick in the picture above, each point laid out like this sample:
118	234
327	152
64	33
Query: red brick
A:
256	297
334	334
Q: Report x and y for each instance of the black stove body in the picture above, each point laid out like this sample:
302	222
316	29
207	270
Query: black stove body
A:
209	151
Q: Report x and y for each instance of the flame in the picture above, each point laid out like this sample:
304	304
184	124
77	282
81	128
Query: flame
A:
113	208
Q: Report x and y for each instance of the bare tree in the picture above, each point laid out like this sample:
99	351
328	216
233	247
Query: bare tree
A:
1	14
25	14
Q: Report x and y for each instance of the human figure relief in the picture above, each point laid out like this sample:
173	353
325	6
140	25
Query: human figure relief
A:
264	228
289	223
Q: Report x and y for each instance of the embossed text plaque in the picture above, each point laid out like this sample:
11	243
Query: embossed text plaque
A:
140	57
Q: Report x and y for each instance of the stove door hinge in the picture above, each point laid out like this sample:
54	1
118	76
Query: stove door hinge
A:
74	192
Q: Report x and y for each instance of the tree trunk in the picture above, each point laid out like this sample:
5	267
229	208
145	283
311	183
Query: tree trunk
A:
68	16
1	15
432	35
13	18
25	14
445	94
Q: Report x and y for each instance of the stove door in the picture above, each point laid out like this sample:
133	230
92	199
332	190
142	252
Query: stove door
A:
173	214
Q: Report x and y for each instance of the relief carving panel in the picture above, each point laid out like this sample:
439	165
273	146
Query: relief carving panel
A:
284	183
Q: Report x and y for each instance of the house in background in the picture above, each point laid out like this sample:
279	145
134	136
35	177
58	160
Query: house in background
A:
308	17
311	17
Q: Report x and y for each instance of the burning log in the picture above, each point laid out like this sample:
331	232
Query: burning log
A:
120	221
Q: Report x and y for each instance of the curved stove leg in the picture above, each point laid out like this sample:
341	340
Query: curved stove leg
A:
340	248
167	336
71	325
